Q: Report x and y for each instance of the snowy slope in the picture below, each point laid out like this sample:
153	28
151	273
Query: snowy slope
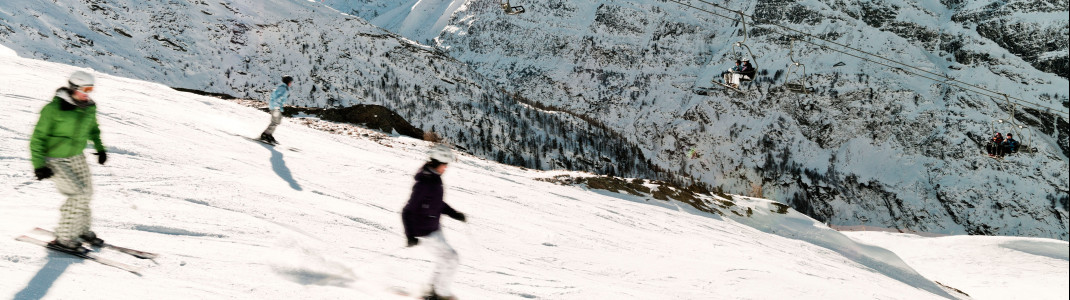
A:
872	145
975	264
234	219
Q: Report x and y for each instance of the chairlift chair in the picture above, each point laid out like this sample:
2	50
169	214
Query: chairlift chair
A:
795	87
511	10
737	49
1024	136
1025	140
994	127
1019	131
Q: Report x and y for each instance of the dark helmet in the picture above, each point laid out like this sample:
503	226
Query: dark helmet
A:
286	79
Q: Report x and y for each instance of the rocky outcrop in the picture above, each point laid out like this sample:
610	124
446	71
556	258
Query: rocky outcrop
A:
370	116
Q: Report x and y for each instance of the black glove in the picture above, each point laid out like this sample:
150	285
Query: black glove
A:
101	157
411	240
456	215
42	173
459	216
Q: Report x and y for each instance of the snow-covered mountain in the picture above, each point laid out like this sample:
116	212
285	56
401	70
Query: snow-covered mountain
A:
872	145
243	47
235	219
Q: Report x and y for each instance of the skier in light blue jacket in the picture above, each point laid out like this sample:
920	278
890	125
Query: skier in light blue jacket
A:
275	105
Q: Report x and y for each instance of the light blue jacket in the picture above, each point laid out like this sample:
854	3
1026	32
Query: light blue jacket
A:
279	97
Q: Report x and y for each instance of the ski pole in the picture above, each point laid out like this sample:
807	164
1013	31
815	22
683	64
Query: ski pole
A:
471	237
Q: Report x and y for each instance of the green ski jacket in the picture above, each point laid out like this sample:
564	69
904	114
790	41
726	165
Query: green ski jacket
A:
63	130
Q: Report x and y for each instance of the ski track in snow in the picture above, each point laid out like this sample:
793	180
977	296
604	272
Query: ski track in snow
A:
230	224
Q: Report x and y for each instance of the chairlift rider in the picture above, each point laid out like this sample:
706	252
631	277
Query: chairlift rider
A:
1009	145
511	10
743	71
994	145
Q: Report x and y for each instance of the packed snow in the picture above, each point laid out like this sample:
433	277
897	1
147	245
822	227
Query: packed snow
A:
978	265
318	218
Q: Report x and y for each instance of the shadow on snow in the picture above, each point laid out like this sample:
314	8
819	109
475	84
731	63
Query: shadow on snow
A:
47	276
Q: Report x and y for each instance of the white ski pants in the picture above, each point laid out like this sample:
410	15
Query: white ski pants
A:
447	262
73	180
276	118
734	78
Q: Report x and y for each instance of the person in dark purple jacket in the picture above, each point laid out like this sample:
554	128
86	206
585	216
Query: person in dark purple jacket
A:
421	217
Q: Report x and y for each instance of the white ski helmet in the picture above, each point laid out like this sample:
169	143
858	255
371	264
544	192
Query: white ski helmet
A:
80	79
441	153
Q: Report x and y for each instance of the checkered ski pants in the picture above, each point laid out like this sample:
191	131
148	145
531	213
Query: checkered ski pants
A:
73	180
276	118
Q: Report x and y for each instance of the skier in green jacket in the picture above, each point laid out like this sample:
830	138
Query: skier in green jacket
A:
56	147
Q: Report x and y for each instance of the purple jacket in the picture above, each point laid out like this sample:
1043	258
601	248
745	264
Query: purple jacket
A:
421	215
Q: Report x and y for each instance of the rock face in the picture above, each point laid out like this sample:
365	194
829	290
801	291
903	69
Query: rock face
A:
372	116
1035	31
243	47
871	145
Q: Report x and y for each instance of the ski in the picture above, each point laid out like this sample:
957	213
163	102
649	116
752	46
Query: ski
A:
276	145
432	297
400	291
261	141
727	86
135	253
84	255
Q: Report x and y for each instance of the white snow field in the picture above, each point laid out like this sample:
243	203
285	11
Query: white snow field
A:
234	219
978	265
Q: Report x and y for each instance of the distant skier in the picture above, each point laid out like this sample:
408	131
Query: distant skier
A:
1010	145
56	148
994	145
421	219
278	98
